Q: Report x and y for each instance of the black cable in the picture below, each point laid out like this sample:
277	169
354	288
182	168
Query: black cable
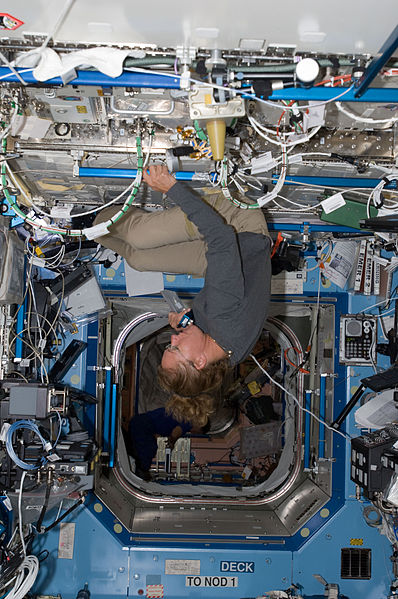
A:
70	510
43	555
44	508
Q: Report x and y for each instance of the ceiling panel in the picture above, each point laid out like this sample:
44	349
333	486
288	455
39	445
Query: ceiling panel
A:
359	26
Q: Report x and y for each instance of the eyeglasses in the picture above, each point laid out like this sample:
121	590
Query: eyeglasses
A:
174	348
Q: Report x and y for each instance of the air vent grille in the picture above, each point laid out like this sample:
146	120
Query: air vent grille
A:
356	563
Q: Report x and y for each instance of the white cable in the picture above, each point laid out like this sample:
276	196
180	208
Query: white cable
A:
302	408
279	184
289	210
302	207
20	523
304	138
375	194
242	92
304	154
386	301
362	119
380	167
64	12
41	211
37	314
312	186
269	196
13	117
129	188
283	107
383	315
321	256
244	179
26	577
9	65
133	184
11	73
61	18
371	357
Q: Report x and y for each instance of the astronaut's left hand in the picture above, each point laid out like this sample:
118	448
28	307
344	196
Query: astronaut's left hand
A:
175	318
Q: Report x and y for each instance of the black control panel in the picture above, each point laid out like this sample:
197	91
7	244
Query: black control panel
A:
373	459
357	339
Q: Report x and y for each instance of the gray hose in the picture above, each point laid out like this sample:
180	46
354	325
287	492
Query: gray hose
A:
267	68
148	61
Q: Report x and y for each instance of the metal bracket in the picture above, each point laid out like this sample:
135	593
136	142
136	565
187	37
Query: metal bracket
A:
77	155
185	54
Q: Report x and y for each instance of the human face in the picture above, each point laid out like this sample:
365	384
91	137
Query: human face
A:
187	346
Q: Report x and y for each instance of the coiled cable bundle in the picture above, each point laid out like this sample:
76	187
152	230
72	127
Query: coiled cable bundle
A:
25	578
32	426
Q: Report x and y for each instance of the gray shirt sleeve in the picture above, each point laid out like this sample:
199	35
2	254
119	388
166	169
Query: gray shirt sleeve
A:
224	280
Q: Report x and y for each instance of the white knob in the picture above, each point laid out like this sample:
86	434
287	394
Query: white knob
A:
307	70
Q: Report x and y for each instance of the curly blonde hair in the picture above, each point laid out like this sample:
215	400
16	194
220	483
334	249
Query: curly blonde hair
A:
187	381
195	410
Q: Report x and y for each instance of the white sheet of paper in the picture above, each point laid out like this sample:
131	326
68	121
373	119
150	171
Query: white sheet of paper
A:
377	412
339	265
142	283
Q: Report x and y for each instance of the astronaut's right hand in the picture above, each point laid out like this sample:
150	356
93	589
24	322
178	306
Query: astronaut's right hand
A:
158	178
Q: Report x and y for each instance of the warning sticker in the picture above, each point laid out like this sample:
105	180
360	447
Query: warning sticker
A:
66	540
211	581
154	591
182	566
9	22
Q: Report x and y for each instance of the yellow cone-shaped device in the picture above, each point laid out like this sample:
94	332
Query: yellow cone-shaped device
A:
216	132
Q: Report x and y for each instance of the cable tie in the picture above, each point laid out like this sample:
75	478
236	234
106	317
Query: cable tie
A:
53	457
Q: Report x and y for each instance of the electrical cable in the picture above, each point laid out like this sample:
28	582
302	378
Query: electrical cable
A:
371	356
263	199
59	429
302	408
361	119
42	340
44	506
14	318
64	13
3	134
92	211
302	209
35	352
297	367
313	186
18	374
32	426
14	71
60	301
242	92
25	579
387	300
65	514
11	73
38	51
20	523
78	232
375	194
288	144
